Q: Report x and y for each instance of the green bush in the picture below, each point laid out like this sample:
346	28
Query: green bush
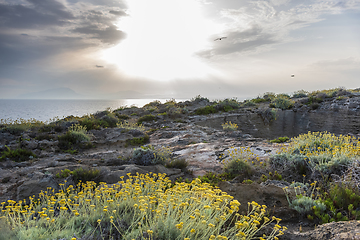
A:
137	141
80	174
300	94
227	105
76	136
205	110
237	166
122	116
268	96
282	103
247	103
180	163
259	100
108	120
17	155
146	118
280	140
148	155
213	179
85	175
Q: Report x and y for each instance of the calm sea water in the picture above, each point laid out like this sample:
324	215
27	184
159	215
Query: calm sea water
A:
45	110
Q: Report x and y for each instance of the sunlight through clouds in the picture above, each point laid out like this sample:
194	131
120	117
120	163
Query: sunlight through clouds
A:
162	38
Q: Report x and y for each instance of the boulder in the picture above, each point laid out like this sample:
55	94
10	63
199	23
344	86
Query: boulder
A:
34	187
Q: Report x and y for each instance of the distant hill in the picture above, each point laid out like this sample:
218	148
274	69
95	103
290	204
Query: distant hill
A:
57	93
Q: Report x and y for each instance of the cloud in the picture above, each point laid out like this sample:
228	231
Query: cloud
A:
118	13
35	15
34	29
346	64
258	25
108	35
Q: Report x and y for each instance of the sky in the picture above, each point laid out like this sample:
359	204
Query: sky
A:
171	48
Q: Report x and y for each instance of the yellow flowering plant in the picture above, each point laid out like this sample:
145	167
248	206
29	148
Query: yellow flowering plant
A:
142	207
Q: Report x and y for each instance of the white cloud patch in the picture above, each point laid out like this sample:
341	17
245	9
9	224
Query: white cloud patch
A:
262	24
346	64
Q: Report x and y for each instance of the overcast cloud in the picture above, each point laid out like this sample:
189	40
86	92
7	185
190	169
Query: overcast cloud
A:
47	44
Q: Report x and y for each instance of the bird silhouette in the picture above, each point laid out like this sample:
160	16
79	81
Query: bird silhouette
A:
220	38
292	75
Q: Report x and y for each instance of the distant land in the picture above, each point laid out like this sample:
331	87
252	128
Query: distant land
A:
56	93
68	93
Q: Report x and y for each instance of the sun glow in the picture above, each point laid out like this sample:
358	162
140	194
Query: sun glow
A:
163	37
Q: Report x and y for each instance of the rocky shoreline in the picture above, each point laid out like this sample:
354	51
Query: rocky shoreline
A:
197	138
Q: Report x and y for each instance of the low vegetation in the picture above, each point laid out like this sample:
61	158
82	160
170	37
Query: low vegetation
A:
142	207
17	155
80	174
75	137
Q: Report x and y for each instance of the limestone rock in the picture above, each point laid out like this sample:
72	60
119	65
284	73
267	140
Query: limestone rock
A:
34	187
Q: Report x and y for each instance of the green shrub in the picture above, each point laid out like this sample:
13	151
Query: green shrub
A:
282	103
300	94
268	96
227	105
137	141
213	179
205	110
76	136
17	155
64	173
16	127
148	155
306	199
130	125
199	98
247	103
107	120
321	151
122	116
280	140
146	118
80	174
180	163
259	100
238	167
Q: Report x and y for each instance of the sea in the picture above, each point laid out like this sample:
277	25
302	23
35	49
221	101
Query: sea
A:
46	110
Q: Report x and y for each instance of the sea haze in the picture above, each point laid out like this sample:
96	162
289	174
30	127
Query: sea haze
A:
45	110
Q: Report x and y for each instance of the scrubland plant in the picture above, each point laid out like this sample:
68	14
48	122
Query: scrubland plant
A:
282	102
148	155
229	126
239	162
248	104
227	105
142	207
280	140
130	125
306	199
206	110
19	125
300	94
241	153
108	119
319	151
146	118
18	155
76	136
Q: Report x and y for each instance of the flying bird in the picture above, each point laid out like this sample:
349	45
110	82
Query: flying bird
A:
99	66
220	38
292	75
